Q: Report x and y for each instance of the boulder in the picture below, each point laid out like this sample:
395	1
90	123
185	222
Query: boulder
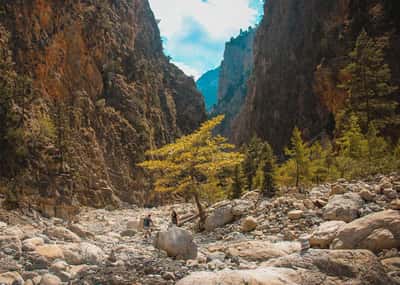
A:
343	207
80	231
32	243
375	232
50	252
61	233
367	195
50	279
295	214
136	225
391	264
92	254
390	193
261	250
219	217
315	267
176	242
262	276
248	224
253	196
395	204
241	207
336	267
10	245
11	278
337	189
325	233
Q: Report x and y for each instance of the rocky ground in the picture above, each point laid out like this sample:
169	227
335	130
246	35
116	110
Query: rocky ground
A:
353	229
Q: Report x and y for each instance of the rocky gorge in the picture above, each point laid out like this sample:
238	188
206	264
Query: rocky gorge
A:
352	227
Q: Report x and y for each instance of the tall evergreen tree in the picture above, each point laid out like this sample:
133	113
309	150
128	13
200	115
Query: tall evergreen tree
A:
368	83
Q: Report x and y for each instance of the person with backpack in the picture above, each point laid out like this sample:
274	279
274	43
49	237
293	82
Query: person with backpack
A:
147	224
174	218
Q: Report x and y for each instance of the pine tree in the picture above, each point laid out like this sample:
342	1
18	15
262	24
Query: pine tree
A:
299	153
368	86
319	165
238	184
193	163
352	148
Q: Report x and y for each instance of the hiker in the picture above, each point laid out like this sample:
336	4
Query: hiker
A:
174	218
147	224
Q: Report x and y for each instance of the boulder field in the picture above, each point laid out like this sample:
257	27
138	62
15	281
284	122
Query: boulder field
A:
340	233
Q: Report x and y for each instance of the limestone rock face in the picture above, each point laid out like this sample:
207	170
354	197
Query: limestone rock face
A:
343	207
177	243
234	74
374	232
299	49
105	89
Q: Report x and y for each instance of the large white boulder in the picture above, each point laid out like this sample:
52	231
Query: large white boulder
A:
343	207
375	232
325	233
219	217
176	242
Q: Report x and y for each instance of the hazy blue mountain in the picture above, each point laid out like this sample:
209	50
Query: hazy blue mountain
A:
208	86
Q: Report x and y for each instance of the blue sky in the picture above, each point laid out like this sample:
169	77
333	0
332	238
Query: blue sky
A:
194	32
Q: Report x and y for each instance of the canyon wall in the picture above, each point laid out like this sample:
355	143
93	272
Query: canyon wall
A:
299	49
104	93
236	69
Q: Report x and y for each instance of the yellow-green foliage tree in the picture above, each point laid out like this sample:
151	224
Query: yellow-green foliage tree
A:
193	163
298	166
352	147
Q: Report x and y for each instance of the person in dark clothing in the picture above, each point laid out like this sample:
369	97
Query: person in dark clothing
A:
174	218
147	224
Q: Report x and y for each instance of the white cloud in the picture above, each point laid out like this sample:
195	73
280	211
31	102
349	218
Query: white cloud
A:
219	18
195	31
188	70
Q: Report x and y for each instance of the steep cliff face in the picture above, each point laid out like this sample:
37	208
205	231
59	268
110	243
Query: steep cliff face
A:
105	87
299	49
236	69
208	86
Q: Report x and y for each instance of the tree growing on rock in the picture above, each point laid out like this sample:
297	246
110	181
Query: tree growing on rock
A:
368	84
193	163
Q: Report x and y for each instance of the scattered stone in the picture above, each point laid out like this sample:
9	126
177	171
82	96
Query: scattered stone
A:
295	214
92	254
11	278
32	243
50	279
248	224
395	204
337	189
62	234
336	267
80	231
367	195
